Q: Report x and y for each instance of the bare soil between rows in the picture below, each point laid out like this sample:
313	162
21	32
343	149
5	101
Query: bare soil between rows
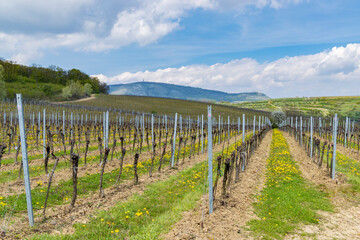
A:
60	220
17	186
231	213
344	223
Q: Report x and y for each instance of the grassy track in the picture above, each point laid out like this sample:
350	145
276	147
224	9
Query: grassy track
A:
287	199
349	167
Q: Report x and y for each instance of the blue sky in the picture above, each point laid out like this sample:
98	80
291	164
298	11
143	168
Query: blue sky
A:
284	48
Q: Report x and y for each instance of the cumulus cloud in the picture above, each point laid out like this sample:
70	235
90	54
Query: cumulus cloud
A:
332	72
28	29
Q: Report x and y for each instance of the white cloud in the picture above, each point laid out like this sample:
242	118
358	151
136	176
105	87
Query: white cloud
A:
332	72
94	25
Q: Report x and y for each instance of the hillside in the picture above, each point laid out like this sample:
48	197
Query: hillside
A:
41	82
152	89
165	106
315	106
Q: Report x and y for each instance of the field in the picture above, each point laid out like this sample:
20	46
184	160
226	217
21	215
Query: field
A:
115	178
164	106
314	106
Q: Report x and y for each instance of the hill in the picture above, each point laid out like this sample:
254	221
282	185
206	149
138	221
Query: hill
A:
43	83
152	89
314	106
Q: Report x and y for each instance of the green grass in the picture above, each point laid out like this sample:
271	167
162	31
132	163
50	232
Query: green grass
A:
145	216
351	169
149	215
315	106
166	106
62	193
346	165
38	170
287	199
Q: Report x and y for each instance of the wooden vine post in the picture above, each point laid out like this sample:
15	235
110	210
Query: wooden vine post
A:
103	163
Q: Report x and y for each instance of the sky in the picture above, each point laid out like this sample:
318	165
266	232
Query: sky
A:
283	48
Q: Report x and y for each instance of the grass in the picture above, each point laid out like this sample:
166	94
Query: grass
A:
149	215
166	106
349	167
315	106
287	199
62	193
145	216
38	170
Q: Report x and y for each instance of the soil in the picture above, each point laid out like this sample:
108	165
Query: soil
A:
93	96
16	186
231	212
60	219
344	223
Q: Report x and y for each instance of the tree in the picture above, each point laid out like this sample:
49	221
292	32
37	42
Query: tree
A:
87	89
277	117
75	90
2	83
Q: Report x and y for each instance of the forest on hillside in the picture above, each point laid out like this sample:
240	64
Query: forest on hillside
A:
50	83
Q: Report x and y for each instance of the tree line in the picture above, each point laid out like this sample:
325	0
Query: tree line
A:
52	83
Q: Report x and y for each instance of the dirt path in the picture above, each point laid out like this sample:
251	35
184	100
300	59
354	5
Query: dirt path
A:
345	222
60	220
230	215
79	100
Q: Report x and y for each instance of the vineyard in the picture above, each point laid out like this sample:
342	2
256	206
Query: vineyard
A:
103	172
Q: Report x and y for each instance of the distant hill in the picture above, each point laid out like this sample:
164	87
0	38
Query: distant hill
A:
152	89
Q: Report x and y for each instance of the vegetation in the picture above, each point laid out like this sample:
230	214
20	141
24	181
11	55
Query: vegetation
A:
277	117
45	83
287	200
2	83
315	106
75	91
154	89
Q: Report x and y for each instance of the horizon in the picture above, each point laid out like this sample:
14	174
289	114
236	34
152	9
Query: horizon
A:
277	47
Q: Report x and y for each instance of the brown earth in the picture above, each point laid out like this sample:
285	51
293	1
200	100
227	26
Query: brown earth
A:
344	223
16	186
59	219
230	213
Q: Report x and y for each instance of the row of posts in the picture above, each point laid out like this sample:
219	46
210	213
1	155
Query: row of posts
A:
262	121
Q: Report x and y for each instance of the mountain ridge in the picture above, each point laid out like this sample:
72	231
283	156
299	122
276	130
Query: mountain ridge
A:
166	90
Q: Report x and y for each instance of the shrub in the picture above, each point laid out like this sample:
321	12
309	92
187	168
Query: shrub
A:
2	83
75	91
87	89
277	117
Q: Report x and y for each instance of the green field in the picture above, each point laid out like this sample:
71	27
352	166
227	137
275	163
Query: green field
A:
315	106
165	106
